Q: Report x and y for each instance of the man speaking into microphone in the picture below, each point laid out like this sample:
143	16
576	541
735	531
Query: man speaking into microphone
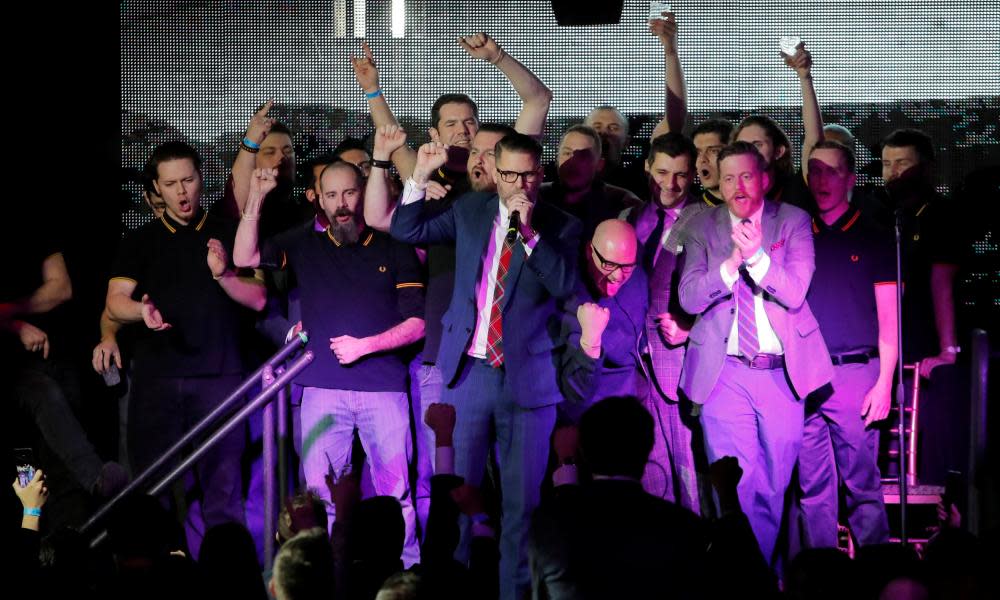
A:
515	259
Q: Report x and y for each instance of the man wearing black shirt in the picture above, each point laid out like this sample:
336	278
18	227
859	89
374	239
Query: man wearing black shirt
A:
710	138
578	191
194	306
360	293
853	296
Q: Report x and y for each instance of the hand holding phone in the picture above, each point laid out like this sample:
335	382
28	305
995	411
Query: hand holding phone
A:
656	10
24	459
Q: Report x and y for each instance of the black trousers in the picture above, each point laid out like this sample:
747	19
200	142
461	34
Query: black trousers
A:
162	409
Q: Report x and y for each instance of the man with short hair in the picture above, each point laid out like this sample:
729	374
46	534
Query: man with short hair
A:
661	225
514	259
710	137
853	295
194	305
755	349
577	190
360	292
304	568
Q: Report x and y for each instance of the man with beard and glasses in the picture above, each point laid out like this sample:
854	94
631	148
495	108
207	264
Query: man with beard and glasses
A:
361	293
470	165
578	191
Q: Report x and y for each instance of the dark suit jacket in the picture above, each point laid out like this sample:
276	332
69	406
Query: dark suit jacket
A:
788	241
610	539
530	317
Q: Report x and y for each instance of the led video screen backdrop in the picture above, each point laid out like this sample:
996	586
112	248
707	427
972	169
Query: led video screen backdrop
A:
197	70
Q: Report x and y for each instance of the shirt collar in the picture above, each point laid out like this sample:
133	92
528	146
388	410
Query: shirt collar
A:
197	222
754	218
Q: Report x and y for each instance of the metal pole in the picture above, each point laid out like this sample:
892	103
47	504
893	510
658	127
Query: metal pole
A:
281	405
900	396
977	426
268	472
199	429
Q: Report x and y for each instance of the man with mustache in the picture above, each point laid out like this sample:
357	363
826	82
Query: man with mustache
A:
361	294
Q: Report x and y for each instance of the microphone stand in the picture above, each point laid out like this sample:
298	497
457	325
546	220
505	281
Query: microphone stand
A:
900	397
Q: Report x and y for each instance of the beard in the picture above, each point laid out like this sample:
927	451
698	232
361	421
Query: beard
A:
345	233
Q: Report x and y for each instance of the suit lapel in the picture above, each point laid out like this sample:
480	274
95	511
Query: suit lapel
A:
769	225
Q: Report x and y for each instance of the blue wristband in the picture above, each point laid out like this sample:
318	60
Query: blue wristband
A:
250	143
373	95
33	512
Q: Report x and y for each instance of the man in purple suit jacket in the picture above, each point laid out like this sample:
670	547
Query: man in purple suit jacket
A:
755	350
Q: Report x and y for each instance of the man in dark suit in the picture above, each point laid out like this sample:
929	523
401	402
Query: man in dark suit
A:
755	349
498	357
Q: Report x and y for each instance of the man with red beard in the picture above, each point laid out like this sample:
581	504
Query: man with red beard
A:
470	165
578	191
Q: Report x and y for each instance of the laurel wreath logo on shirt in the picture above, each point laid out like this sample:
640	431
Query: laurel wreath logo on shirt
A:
381	269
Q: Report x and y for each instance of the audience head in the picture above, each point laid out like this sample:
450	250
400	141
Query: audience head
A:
176	171
381	520
405	585
671	166
454	120
743	178
228	559
303	568
616	437
909	152
277	152
482	156
342	192
612	256
770	140
839	133
831	175
612	125
709	139
579	158
354	151
518	166
302	511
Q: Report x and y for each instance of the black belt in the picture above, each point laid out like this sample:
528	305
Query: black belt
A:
859	358
764	361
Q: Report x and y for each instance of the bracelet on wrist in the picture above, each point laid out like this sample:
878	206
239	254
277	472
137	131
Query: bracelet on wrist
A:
244	147
951	350
381	164
373	95
250	143
32	512
499	57
755	258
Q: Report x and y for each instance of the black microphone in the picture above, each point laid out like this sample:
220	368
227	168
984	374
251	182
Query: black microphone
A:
513	227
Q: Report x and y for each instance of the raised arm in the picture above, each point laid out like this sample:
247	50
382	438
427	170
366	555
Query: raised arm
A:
379	205
366	73
246	248
246	291
675	95
812	120
535	96
243	167
56	288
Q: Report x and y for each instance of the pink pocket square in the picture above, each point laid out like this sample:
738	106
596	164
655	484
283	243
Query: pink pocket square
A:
777	245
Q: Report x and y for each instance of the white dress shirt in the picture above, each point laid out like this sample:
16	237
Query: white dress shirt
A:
768	340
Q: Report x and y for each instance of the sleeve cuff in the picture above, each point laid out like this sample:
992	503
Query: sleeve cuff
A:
444	460
411	193
728	279
565	475
759	270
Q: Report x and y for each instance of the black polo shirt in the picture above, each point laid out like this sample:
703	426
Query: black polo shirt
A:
168	261
852	256
440	265
793	189
360	290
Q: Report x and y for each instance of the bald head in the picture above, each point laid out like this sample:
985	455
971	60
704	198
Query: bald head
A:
613	254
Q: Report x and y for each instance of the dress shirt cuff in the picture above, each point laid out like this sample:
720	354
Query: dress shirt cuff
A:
411	193
444	460
565	475
728	279
759	270
529	245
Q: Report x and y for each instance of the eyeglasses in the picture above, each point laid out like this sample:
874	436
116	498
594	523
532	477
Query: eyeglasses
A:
609	266
511	176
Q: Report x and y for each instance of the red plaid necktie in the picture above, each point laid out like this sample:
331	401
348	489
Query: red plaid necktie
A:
494	337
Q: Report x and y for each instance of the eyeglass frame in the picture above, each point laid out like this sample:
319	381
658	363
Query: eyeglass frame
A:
626	268
533	174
